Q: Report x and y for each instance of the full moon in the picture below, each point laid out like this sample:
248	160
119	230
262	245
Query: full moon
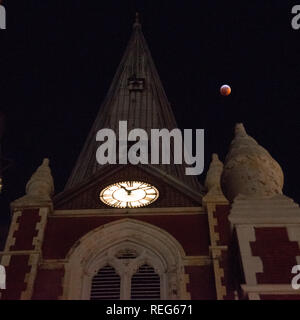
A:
225	90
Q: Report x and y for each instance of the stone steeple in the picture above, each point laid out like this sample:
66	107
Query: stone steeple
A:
137	96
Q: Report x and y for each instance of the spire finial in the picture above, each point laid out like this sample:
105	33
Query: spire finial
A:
137	20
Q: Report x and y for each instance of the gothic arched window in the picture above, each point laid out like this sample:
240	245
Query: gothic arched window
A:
131	277
145	284
105	284
144	261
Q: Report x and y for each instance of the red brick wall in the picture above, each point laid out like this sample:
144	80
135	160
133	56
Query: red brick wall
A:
190	230
201	284
48	284
278	255
18	266
62	233
15	276
26	229
229	261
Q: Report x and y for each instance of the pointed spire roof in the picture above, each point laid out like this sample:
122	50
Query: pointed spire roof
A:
136	95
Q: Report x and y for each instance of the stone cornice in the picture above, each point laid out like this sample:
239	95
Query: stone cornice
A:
275	210
129	212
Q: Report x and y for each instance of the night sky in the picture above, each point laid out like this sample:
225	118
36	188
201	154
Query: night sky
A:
58	59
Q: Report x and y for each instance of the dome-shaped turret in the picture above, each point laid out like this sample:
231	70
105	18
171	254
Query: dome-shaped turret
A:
249	169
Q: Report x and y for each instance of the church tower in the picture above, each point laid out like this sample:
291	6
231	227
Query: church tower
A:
149	231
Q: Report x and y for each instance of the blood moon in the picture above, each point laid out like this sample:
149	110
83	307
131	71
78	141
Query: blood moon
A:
225	90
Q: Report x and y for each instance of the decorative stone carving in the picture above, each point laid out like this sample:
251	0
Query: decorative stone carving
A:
249	169
39	188
213	177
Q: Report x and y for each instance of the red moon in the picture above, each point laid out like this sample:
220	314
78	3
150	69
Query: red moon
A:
225	90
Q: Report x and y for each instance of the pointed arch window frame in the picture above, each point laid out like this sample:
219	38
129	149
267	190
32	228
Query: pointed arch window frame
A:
126	269
86	253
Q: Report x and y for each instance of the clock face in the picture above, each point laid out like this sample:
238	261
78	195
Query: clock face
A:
129	194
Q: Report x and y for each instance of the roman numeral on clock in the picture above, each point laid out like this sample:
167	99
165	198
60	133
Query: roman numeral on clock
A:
148	198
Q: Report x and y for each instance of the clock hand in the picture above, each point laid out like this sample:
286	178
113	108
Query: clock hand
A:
140	187
134	189
128	191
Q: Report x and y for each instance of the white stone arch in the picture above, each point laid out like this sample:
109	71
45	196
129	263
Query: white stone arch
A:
96	249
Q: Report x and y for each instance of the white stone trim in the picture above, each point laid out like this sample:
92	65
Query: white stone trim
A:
251	264
14	226
10	241
197	260
275	210
166	254
34	258
40	227
5	260
253	296
216	250
274	289
30	277
128	212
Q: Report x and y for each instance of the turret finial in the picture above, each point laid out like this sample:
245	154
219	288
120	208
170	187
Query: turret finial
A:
213	178
240	129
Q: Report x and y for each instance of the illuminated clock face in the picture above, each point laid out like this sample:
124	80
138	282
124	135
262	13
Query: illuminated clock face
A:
129	194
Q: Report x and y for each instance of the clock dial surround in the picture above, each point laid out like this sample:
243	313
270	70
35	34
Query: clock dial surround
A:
129	194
